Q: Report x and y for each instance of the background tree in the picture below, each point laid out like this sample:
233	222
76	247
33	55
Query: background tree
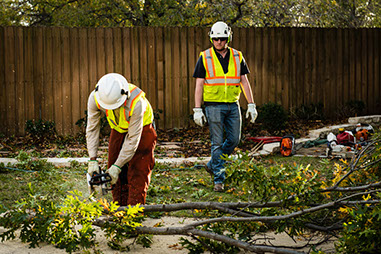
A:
238	13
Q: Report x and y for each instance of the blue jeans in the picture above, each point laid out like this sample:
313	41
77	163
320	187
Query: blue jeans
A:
223	117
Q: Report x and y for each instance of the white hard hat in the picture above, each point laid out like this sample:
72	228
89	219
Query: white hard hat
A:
220	30
112	91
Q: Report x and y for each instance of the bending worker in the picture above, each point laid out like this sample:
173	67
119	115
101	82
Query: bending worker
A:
220	75
132	139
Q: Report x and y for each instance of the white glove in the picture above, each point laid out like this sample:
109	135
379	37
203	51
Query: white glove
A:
93	167
252	111
114	172
199	116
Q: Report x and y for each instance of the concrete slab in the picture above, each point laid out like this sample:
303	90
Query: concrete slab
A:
59	162
365	119
65	162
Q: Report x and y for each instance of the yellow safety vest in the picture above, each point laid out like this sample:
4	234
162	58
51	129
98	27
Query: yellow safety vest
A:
127	109
218	86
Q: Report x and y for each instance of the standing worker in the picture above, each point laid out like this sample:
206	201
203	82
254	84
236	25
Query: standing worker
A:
132	139
220	75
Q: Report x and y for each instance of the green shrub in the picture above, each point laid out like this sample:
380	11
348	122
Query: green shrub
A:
27	163
40	129
362	233
308	112
82	124
272	116
350	108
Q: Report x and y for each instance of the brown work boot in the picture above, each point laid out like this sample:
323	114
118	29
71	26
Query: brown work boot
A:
219	187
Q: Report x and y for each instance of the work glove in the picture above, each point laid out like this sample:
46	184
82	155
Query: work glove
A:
251	111
93	167
114	172
199	117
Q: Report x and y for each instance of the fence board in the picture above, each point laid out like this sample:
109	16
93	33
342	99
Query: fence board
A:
265	70
176	95
280	53
345	62
159	38
135	71
85	85
10	78
257	73
364	66
152	68
142	58
327	69
75	98
169	78
92	56
57	79
109	51
117	49
286	68
242	44
352	64
192	59
377	72
48	73
249	56
100	52
19	81
66	82
300	68
39	97
126	49
183	79
370	70
309	94
3	106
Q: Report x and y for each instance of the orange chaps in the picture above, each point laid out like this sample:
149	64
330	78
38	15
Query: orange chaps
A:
132	185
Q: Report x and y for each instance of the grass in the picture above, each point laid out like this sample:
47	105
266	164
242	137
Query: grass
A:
168	184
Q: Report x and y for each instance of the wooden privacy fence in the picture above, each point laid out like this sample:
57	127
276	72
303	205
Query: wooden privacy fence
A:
48	72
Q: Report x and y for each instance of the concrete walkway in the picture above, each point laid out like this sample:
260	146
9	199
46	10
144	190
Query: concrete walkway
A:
374	120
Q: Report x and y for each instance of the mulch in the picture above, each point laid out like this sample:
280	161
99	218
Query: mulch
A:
193	141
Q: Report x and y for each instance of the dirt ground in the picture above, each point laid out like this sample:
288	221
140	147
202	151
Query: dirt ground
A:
162	244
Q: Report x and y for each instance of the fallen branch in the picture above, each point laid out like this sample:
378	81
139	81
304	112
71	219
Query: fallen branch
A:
190	231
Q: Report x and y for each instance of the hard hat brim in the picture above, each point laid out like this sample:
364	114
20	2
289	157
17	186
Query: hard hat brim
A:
111	106
219	36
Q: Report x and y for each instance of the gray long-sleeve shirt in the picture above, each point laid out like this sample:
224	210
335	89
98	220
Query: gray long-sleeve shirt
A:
132	138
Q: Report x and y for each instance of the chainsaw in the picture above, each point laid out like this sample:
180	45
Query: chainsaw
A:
99	179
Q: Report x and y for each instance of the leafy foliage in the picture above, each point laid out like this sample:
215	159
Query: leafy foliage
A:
362	232
351	108
273	116
25	162
122	224
68	225
308	112
82	124
40	129
121	13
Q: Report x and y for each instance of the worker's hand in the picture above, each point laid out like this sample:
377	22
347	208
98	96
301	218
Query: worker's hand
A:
198	116
251	111
93	167
114	172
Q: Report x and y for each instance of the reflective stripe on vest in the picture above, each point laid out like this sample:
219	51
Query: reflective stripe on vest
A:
218	86
126	111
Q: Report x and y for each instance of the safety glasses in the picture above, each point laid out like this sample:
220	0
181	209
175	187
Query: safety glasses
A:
222	39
